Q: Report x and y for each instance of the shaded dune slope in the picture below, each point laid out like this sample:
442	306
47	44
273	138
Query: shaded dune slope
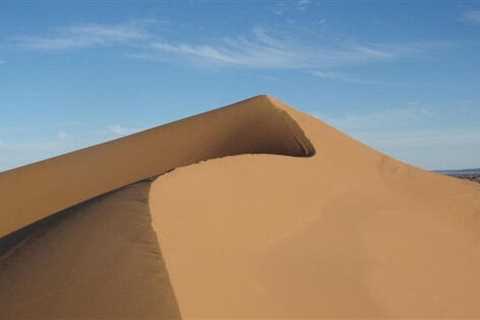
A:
98	260
337	230
349	232
36	191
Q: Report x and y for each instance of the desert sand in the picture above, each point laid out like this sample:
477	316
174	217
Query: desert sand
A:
254	210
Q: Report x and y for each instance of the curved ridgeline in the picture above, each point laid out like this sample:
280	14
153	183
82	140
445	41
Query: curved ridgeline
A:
256	125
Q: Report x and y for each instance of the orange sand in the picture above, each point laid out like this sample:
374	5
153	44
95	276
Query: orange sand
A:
346	232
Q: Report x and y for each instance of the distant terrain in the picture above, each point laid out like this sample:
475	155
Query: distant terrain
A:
469	174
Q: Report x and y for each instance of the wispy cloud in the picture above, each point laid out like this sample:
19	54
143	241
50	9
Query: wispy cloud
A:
303	4
472	16
62	135
343	77
261	48
86	36
281	8
118	130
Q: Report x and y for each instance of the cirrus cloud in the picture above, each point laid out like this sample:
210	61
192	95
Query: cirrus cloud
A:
260	48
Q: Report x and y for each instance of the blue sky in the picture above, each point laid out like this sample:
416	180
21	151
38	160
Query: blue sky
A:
402	76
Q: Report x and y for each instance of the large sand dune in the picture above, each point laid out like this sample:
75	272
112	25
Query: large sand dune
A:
288	218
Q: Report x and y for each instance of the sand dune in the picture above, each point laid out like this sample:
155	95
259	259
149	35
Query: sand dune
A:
288	219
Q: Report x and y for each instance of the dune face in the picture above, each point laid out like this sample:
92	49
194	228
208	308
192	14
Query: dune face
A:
299	221
100	260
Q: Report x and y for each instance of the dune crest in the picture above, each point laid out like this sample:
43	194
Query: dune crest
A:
35	191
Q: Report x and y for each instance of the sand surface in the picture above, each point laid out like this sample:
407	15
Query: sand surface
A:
100	260
315	224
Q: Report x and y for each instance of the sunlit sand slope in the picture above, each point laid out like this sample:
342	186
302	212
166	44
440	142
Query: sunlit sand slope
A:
346	233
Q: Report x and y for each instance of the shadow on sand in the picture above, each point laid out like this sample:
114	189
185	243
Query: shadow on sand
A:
100	259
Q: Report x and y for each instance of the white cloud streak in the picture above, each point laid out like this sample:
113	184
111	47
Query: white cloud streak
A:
86	36
259	49
472	16
336	76
303	4
262	50
62	135
119	131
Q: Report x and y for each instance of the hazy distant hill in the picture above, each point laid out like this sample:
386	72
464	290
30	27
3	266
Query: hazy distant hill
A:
470	174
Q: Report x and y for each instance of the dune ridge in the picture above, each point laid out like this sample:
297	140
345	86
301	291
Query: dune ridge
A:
35	191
